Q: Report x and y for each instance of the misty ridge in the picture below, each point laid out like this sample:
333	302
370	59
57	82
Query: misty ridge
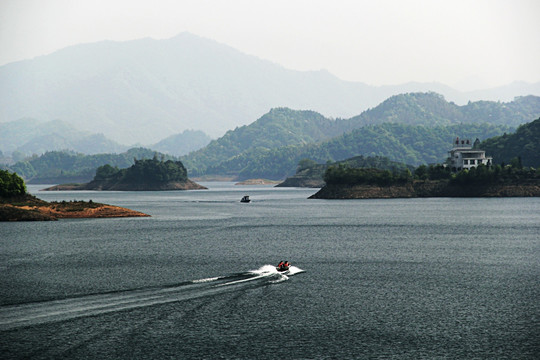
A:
159	93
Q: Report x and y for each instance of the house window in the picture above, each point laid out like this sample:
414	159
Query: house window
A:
465	162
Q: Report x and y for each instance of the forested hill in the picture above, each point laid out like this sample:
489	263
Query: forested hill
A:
143	175
276	138
431	109
272	146
412	145
523	144
279	127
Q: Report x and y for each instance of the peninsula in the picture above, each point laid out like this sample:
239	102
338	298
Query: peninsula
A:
426	188
17	205
432	181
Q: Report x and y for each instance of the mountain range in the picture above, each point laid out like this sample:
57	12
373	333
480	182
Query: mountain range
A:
30	136
26	137
143	91
414	128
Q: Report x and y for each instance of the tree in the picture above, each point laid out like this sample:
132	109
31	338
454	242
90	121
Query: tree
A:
105	171
11	184
421	172
305	164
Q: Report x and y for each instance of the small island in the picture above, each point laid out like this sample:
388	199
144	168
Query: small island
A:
17	205
143	175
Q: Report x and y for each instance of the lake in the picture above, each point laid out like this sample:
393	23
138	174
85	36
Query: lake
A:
388	278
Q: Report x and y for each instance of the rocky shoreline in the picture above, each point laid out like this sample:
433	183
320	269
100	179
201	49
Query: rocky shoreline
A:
102	186
258	182
419	189
30	208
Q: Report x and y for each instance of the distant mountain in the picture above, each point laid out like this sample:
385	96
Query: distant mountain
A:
86	144
501	93
13	134
523	144
30	136
144	90
412	128
182	144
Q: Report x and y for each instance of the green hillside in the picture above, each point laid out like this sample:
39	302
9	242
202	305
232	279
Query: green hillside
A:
413	145
279	127
523	144
431	109
408	144
413	128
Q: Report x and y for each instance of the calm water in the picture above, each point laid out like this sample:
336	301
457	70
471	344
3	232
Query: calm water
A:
401	278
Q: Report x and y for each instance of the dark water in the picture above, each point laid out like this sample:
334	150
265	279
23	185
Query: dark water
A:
401	278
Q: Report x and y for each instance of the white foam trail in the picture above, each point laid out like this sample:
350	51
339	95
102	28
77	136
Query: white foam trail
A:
266	269
14	316
205	280
281	278
244	280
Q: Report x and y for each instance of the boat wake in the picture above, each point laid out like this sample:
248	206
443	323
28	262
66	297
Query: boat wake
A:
22	315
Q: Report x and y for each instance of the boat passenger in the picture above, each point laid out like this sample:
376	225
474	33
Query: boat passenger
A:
280	265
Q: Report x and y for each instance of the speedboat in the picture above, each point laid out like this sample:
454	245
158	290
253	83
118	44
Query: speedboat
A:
282	269
245	199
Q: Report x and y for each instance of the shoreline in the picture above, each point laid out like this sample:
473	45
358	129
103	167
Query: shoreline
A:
103	186
426	189
30	208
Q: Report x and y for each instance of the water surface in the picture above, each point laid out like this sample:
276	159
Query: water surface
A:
399	278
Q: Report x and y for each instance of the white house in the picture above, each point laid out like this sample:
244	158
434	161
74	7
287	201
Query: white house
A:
465	155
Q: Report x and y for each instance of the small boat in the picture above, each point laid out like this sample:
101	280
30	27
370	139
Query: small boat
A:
245	199
283	268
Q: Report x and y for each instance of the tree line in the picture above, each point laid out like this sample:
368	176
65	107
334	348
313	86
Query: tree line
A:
145	171
507	174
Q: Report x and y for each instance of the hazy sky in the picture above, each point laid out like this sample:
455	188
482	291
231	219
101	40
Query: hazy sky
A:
467	44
